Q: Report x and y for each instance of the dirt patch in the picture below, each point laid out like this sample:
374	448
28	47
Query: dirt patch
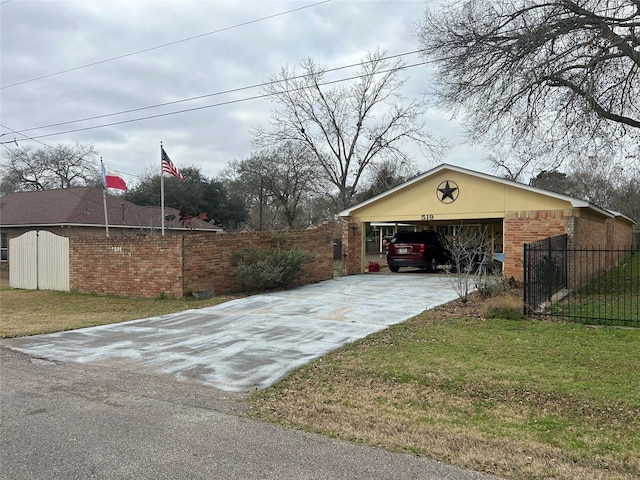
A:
4	277
473	307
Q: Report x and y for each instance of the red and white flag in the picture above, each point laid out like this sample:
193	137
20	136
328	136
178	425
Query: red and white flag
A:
111	180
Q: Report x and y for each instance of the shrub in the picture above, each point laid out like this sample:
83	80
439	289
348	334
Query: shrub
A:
505	306
270	269
492	285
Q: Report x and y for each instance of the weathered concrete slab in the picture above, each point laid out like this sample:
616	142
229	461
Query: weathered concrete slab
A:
252	342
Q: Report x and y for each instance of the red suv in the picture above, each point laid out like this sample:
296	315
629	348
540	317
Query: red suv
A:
416	249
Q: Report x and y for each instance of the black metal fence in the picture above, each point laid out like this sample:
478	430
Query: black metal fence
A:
588	285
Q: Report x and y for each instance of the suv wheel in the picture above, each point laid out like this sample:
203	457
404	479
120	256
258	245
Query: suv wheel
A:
393	268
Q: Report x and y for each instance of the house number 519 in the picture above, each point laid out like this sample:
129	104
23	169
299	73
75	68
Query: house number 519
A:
428	216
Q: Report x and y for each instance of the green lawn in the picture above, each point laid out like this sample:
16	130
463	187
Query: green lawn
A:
32	312
610	299
520	399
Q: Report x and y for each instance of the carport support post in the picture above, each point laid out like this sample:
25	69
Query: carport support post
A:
352	248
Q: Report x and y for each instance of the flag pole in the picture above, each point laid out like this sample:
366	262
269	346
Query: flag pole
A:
104	197
161	190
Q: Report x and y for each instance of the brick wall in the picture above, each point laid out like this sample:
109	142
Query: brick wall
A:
590	231
178	265
622	233
208	260
138	267
525	227
584	229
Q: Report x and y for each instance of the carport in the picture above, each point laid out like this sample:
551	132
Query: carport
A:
448	197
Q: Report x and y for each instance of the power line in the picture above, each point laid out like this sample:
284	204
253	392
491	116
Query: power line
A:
4	144
19	133
149	117
200	97
163	45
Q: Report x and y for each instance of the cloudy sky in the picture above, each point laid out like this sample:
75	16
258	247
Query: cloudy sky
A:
69	66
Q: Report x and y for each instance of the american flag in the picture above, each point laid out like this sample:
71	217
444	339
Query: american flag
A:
169	167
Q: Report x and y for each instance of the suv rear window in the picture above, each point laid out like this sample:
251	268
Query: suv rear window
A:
415	237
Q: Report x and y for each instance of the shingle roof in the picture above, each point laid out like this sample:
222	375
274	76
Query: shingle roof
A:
83	206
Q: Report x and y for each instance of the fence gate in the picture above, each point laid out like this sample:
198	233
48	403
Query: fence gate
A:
39	260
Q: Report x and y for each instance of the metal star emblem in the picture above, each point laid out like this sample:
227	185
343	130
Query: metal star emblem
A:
448	191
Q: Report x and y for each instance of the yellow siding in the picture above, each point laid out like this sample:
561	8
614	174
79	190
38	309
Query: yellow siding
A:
477	198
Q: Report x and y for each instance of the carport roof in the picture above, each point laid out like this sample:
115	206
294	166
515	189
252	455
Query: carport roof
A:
575	202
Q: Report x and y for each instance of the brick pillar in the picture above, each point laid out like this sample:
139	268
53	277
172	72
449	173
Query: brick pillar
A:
351	248
525	227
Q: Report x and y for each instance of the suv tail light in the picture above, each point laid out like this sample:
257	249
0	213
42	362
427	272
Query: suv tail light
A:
422	247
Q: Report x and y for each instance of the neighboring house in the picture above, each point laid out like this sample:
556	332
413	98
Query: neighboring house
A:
511	213
79	212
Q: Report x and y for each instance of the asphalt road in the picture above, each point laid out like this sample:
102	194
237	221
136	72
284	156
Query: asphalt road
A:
69	420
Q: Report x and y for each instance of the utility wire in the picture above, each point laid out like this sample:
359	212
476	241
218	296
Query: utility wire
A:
163	45
255	97
234	90
19	133
149	117
4	144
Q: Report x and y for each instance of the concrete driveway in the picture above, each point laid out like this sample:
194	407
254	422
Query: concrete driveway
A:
252	342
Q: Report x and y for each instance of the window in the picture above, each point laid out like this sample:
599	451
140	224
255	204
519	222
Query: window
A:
4	244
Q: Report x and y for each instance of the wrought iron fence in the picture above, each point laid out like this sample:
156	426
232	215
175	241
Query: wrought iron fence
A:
588	285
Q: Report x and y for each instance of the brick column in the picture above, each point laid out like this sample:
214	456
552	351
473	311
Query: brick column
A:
351	248
525	227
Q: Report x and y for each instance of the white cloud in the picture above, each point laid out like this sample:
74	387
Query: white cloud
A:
43	37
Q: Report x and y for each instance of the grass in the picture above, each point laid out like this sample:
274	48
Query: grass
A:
519	399
620	280
613	297
32	312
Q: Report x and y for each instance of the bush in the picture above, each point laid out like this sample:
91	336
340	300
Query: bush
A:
271	269
505	306
492	285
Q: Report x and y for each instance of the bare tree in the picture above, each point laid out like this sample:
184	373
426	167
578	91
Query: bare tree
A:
560	73
626	199
347	129
382	177
599	181
277	184
467	249
61	167
519	161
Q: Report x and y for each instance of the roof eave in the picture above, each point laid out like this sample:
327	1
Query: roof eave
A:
98	225
575	202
